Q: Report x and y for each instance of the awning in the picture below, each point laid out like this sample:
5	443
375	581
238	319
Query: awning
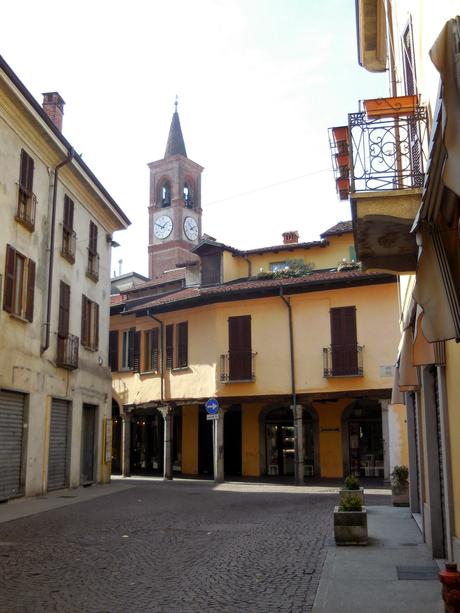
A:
408	373
425	353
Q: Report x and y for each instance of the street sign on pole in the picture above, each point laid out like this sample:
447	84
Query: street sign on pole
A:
212	406
211	417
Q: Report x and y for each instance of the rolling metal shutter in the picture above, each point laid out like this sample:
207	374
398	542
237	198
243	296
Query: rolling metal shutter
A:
11	434
57	455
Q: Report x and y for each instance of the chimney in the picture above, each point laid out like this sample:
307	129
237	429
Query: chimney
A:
53	105
290	238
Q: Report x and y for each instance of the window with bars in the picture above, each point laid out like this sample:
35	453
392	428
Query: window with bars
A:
93	257
25	213
18	295
68	234
89	323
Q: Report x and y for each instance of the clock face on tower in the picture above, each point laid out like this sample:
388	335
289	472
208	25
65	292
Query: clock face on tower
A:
190	228
162	226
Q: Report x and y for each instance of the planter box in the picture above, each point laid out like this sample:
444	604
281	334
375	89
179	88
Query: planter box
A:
350	527
358	493
400	495
391	107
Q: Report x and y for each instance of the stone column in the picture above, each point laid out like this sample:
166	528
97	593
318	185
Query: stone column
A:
126	444
386	440
167	413
218	447
299	450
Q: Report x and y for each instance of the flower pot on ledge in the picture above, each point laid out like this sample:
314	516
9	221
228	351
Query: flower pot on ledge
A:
391	107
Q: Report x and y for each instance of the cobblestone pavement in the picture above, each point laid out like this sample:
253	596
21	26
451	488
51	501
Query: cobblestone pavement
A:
169	547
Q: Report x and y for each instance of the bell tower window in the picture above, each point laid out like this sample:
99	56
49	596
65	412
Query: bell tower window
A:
165	194
188	196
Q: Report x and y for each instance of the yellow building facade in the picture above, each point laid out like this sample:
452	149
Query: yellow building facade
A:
289	334
416	42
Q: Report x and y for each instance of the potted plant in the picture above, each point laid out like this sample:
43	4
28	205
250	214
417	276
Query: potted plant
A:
350	522
352	487
391	107
400	486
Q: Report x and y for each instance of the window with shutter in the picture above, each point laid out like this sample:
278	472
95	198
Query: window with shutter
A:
25	213
18	296
64	309
93	257
182	345
239	348
136	351
113	350
344	344
89	324
169	342
68	234
151	350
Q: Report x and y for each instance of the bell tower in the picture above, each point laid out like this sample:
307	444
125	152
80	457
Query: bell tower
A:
175	205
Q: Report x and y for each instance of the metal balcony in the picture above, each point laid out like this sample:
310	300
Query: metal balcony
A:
343	361
67	351
237	367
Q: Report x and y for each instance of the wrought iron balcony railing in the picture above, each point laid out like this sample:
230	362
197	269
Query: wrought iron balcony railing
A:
67	351
237	366
69	239
93	266
27	203
388	152
343	361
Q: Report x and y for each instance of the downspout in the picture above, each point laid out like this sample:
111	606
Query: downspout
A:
248	262
70	155
291	347
162	379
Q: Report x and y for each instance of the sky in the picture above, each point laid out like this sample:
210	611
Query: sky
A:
259	82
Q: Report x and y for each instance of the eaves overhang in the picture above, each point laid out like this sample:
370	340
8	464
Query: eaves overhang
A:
371	33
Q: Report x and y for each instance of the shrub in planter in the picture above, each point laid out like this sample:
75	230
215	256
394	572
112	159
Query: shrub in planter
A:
352	487
400	486
350	521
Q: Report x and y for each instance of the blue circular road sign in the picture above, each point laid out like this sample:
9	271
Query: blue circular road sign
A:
212	406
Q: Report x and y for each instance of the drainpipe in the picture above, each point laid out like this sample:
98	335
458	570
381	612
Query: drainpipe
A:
297	410
70	155
248	262
291	347
162	378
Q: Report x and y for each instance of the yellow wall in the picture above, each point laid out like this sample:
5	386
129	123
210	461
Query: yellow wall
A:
190	440
234	267
453	394
250	439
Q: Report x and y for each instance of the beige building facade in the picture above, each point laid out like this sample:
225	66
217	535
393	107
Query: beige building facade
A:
55	248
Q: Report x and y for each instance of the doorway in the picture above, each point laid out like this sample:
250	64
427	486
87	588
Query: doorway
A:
88	434
205	446
232	441
147	444
365	439
116	439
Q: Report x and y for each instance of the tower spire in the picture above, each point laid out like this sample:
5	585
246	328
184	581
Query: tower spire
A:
175	144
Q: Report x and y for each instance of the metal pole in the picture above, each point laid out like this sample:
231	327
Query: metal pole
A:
218	447
167	413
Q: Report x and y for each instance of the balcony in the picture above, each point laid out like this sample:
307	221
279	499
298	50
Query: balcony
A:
25	213
67	351
237	367
93	266
343	361
388	146
69	240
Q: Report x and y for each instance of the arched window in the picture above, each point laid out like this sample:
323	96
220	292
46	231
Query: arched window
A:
188	196
165	194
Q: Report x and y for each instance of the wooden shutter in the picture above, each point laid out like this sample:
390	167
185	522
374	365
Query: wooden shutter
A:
182	344
154	349
169	346
8	292
210	269
64	309
136	351
131	334
26	172
84	321
113	350
92	238
68	214
344	345
30	292
96	325
239	347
